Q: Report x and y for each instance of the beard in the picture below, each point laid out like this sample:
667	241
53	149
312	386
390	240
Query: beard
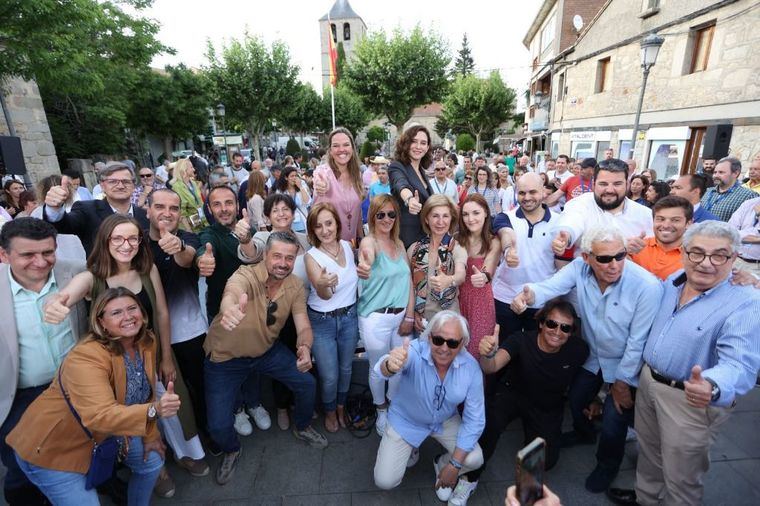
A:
608	206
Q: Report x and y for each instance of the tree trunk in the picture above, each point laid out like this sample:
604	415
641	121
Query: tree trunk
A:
477	142
168	147
256	144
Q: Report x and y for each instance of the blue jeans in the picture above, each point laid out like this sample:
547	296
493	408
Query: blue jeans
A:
67	489
611	449
223	382
335	339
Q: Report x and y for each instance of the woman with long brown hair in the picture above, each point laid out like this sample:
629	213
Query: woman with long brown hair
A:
483	250
255	194
339	182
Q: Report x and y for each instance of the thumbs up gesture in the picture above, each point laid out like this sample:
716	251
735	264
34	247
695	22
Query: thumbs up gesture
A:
168	242
207	262
560	243
439	282
697	389
489	344
56	196
397	357
243	229
478	278
321	186
364	268
327	280
635	244
522	300
511	257
414	204
169	403
234	314
56	308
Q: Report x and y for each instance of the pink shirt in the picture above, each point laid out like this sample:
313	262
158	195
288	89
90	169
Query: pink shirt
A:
346	201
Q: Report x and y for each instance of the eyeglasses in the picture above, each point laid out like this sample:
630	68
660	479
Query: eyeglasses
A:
118	240
382	214
440	396
271	309
144	176
440	169
451	343
564	327
716	259
605	259
117	182
468	178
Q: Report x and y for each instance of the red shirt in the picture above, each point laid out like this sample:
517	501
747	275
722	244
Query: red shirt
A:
575	187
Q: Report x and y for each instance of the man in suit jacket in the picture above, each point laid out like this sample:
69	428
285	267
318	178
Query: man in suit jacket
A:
30	350
85	217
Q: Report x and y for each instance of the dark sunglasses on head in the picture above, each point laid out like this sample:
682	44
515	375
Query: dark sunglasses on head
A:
605	259
271	309
382	214
451	343
564	327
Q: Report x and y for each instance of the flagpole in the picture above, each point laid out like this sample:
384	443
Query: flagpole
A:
332	103
333	70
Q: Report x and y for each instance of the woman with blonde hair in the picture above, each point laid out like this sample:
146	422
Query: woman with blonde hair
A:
190	197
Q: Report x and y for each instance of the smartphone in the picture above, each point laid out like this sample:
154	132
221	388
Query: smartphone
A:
530	472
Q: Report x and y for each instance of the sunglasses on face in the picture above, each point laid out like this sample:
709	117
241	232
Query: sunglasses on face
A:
468	178
451	343
271	309
382	214
605	259
564	327
440	169
144	176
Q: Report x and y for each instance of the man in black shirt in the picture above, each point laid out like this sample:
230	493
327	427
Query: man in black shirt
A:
541	366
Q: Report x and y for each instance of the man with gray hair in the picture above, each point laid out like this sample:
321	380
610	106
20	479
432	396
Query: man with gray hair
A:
617	301
702	353
728	194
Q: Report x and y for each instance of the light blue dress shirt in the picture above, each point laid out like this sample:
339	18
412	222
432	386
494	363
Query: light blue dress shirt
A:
423	402
718	330
615	323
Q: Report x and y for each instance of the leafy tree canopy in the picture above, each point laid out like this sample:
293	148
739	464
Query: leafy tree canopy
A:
349	110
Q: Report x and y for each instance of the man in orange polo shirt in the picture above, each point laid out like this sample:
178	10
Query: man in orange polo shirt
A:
661	254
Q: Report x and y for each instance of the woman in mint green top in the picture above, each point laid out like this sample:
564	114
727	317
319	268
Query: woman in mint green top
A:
386	302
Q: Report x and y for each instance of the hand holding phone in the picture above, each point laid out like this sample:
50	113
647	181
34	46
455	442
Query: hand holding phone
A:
530	472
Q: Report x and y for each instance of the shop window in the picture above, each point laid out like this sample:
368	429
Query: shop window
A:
666	157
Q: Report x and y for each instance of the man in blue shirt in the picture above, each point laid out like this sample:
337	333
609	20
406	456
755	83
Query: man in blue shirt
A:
702	353
617	302
437	375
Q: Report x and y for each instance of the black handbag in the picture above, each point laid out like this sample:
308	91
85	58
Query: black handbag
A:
104	454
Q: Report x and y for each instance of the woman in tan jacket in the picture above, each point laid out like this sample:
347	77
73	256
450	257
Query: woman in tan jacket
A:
107	378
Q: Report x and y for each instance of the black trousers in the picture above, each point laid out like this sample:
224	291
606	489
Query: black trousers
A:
190	356
504	406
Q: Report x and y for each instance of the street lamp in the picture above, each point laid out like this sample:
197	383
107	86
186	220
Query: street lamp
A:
650	48
220	112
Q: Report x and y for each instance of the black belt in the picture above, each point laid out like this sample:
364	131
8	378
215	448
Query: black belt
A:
389	310
335	312
659	378
749	260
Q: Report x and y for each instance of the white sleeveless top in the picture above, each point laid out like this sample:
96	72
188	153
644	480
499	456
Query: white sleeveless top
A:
345	291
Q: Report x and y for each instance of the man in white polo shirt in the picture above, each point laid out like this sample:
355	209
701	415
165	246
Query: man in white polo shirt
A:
607	205
526	236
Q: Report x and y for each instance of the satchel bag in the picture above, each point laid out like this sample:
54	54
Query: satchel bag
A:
104	454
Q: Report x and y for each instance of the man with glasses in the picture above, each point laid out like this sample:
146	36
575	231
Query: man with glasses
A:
243	341
443	185
437	375
617	302
702	353
85	217
145	186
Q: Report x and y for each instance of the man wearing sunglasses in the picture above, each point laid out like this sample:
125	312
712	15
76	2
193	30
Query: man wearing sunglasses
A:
702	353
617	302
437	375
442	184
242	342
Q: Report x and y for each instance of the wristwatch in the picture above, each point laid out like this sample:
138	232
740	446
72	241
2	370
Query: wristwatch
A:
152	413
715	395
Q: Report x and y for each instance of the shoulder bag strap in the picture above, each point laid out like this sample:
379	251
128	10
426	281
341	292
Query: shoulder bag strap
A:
73	411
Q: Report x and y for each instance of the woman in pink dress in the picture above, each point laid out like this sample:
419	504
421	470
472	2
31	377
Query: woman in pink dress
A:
339	182
475	294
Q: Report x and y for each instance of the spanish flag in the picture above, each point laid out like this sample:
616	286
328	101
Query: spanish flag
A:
333	54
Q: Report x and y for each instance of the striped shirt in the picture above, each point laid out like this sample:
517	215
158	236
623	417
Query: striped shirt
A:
723	204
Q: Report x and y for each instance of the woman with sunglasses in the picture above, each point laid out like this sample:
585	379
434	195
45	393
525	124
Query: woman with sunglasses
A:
386	304
483	253
464	188
483	185
436	376
191	199
438	262
121	257
544	363
331	307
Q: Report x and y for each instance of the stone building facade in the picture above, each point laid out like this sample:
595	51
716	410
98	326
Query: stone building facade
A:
705	75
347	28
28	116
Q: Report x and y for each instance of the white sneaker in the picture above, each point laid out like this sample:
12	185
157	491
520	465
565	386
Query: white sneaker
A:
413	458
260	417
462	492
382	421
443	493
242	424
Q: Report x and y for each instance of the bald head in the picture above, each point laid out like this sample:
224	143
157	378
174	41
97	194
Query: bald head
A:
530	192
529	180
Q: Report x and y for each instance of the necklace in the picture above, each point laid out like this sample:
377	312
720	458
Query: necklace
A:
334	255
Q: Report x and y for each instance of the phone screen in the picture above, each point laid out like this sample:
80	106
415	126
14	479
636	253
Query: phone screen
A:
530	472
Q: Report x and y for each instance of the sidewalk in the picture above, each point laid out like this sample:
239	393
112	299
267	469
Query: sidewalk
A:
277	469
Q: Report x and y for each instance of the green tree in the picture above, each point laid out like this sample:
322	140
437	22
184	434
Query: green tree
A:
349	110
304	112
292	147
255	83
171	105
367	150
478	105
340	62
376	134
464	63
394	75
465	142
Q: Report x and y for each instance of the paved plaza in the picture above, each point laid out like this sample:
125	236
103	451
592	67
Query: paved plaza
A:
277	469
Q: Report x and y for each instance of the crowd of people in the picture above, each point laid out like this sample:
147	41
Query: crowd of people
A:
145	313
